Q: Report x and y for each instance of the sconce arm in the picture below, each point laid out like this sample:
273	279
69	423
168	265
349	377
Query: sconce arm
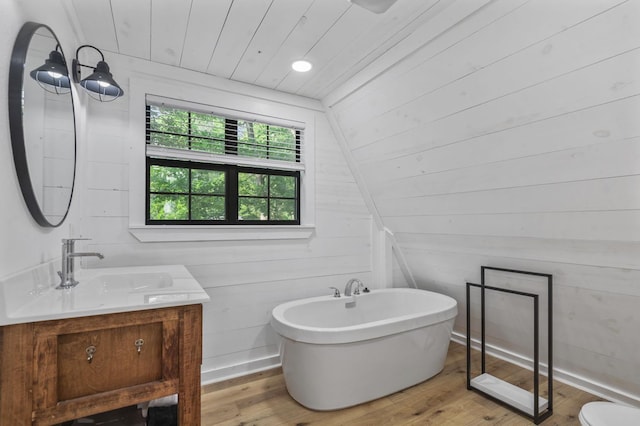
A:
75	70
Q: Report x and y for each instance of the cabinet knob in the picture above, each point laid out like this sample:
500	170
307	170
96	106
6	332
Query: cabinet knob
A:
139	344
90	350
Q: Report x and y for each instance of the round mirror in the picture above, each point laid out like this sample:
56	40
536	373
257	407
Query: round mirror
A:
42	124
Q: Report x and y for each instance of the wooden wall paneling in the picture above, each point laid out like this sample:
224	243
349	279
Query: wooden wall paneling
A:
458	267
397	275
228	297
598	320
241	24
169	20
616	375
348	192
622	254
555	97
321	15
242	358
107	203
132	21
94	26
100	150
206	20
229	341
568	51
563	166
194	254
358	52
607	193
407	143
531	29
602	226
110	176
273	31
440	32
348	27
609	121
240	362
341	225
239	316
278	270
110	230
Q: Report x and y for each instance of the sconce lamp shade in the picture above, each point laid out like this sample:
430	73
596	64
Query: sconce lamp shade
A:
53	76
101	85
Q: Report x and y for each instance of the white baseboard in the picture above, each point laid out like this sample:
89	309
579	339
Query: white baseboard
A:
598	389
238	370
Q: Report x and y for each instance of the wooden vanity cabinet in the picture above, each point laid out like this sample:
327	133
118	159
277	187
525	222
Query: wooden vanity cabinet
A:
61	370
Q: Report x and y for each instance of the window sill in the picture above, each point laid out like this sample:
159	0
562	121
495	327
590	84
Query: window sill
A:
176	233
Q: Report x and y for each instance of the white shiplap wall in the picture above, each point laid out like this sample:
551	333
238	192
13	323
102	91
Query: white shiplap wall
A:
23	243
245	279
513	140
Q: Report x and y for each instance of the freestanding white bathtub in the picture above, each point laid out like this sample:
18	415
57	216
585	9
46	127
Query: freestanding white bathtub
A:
335	355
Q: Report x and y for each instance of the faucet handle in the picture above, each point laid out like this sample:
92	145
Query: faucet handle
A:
336	292
66	240
68	244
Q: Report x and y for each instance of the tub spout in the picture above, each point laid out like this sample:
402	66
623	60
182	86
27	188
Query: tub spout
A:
349	290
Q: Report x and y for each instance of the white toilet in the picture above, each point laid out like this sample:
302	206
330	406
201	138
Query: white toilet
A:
608	414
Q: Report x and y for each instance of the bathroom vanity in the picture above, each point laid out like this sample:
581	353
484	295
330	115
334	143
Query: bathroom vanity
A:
123	336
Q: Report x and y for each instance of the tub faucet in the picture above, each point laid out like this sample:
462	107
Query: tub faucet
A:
67	279
348	288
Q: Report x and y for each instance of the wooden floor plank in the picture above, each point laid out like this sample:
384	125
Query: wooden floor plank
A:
262	400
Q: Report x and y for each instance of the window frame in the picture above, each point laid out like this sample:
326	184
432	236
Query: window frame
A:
232	196
242	101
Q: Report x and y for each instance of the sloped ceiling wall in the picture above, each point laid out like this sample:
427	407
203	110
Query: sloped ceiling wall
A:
511	139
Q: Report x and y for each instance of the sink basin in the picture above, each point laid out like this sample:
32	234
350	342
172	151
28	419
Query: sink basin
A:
131	282
32	296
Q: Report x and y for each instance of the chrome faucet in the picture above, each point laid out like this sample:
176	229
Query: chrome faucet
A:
348	288
67	279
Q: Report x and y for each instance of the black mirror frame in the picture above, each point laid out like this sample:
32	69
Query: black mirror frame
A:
16	124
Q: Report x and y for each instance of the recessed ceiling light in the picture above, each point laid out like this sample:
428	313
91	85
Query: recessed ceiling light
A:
301	66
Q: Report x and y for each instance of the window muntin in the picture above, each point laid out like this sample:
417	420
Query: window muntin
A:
184	191
269	197
179	192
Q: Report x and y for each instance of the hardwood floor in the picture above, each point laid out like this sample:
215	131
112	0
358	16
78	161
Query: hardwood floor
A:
262	399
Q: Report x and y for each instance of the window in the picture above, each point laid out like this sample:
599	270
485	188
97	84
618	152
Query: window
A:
204	168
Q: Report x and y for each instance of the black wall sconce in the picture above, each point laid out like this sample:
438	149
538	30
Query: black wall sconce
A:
52	76
100	85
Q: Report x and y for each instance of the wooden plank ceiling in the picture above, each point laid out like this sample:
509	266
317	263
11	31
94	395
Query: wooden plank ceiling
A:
254	41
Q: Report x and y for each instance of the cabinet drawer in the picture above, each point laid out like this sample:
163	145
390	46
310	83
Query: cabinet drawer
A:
102	360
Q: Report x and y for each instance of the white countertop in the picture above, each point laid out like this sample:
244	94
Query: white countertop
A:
31	296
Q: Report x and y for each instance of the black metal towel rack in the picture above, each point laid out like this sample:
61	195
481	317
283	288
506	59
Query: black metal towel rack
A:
526	403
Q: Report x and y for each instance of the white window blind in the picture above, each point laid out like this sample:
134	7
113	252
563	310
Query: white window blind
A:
180	130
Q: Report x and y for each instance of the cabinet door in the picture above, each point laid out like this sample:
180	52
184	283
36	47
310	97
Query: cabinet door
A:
70	382
103	360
